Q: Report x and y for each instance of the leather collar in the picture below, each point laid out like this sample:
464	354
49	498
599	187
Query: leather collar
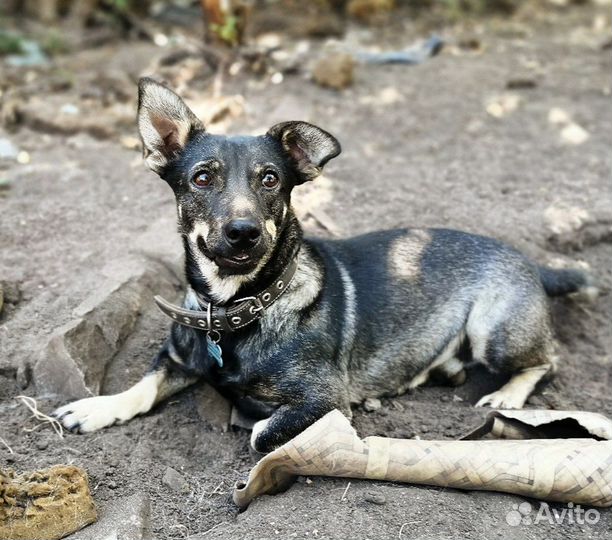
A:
243	311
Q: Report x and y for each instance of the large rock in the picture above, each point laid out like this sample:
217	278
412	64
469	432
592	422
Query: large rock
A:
44	505
75	358
45	337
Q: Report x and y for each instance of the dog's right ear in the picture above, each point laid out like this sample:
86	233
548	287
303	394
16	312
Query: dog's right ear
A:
165	123
309	147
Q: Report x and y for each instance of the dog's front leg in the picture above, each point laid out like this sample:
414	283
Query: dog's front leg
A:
91	414
287	422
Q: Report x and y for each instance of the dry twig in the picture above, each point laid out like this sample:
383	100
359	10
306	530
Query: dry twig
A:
30	403
345	492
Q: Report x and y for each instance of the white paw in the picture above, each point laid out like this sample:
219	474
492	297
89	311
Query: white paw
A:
91	414
501	400
258	427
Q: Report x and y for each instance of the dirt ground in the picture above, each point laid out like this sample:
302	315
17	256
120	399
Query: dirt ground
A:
466	140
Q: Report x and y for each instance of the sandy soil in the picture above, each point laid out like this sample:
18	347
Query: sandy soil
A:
419	148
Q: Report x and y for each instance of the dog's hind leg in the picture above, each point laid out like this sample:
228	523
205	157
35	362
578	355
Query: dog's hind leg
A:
516	391
91	414
513	335
447	368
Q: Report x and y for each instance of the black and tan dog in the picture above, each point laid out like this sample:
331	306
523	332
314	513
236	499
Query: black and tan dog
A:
289	328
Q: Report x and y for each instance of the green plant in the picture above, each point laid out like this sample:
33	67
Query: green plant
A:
120	5
227	32
10	44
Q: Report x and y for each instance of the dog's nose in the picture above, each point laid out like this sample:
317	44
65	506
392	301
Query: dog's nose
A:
242	233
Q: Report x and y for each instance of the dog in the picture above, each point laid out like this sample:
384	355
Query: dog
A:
289	328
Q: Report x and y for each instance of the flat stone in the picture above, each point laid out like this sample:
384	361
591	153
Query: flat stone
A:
175	480
121	519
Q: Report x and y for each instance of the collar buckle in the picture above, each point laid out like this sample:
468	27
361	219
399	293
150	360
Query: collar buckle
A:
258	306
257	303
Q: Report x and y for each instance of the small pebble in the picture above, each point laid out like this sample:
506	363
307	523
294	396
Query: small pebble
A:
112	485
175	480
69	109
374	497
558	116
334	71
372	404
42	445
574	134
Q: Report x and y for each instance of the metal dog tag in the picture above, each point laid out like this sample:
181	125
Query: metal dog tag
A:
214	350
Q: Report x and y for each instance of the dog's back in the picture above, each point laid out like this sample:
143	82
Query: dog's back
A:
415	297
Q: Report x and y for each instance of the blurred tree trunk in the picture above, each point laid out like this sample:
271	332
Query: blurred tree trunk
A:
43	10
82	10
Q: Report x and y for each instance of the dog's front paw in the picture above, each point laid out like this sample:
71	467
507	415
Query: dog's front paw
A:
90	414
501	400
258	428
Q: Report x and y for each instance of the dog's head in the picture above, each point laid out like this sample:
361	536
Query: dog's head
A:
232	193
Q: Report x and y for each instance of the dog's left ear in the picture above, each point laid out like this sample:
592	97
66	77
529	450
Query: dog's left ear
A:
165	123
308	147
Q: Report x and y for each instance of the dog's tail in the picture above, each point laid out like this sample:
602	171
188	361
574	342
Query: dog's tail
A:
561	282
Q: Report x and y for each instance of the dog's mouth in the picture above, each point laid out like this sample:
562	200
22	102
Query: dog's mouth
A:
241	262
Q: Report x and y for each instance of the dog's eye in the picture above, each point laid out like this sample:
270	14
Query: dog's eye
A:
202	180
270	180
